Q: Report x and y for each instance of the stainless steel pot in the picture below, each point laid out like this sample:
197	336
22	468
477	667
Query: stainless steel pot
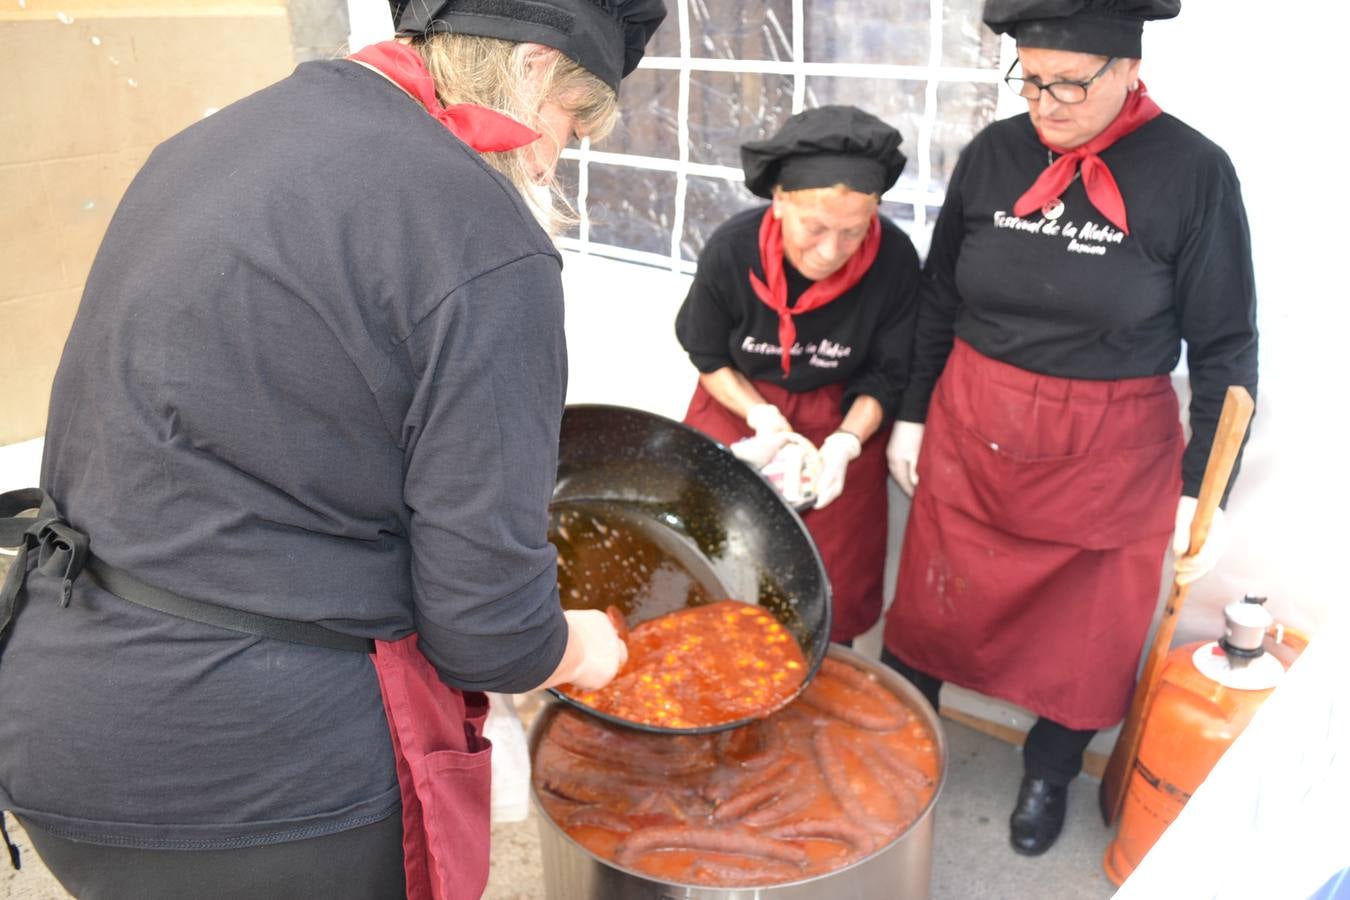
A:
901	870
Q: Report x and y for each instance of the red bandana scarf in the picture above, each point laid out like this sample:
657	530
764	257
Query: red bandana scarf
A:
483	129
774	294
1097	179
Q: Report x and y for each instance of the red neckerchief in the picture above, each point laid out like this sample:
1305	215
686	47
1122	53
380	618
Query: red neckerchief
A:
483	129
1101	187
774	294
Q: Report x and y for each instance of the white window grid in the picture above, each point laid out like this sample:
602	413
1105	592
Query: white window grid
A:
933	73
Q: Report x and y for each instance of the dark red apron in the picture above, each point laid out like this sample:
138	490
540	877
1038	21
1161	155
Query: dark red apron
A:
850	533
1032	559
444	774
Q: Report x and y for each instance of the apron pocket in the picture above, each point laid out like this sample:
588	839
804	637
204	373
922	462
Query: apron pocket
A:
1096	500
456	793
444	774
1138	495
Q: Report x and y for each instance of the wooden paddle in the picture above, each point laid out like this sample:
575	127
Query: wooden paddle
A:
1232	428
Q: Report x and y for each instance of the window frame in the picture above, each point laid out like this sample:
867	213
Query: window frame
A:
932	74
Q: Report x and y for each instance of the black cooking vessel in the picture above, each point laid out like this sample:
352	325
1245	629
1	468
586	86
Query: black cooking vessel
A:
641	499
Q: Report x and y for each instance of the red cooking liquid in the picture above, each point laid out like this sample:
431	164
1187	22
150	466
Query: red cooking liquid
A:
829	779
706	665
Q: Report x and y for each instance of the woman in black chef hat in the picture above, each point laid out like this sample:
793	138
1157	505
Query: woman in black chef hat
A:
799	321
1078	247
310	407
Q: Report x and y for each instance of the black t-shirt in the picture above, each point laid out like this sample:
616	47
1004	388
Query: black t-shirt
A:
1075	296
317	373
862	338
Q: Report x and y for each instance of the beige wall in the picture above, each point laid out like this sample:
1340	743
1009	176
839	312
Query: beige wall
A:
90	89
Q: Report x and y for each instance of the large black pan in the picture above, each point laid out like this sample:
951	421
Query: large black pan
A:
651	516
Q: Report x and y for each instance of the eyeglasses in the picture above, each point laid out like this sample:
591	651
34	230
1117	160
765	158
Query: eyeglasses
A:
1067	92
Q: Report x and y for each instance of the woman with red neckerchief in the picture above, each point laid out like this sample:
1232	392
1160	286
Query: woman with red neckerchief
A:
799	323
1078	247
300	450
800	319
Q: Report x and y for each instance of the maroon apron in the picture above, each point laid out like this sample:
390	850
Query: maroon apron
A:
444	774
1032	557
850	533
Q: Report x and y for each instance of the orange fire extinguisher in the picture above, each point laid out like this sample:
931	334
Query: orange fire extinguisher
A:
1207	693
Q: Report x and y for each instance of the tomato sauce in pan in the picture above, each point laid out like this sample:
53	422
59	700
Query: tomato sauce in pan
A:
827	780
706	665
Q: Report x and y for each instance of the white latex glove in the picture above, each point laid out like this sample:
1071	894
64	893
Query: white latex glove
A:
603	652
1192	568
839	449
765	418
759	450
902	455
793	470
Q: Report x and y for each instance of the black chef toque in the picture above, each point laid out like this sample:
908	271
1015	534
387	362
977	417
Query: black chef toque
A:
1101	27
823	147
606	37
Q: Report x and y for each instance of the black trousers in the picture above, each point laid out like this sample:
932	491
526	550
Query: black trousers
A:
360	864
1052	751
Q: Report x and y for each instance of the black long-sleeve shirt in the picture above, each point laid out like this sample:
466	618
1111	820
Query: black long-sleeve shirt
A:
1076	297
317	373
862	338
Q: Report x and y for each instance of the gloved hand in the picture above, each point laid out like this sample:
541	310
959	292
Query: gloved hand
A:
601	652
759	450
765	418
902	455
793	469
1192	568
838	450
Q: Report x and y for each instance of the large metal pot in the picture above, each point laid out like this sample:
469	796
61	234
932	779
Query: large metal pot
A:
703	525
901	870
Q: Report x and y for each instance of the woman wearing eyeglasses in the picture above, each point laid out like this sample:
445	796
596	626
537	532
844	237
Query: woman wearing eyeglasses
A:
1078	247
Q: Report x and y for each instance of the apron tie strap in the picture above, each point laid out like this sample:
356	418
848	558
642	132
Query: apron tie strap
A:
63	551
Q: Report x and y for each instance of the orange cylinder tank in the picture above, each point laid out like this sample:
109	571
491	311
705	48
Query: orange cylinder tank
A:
1206	695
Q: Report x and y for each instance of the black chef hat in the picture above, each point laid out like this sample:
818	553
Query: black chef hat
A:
823	147
1102	27
606	37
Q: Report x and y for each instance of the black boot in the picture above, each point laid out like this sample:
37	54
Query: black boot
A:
1038	817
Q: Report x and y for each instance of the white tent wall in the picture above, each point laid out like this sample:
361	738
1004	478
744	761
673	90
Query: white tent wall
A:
621	343
1236	77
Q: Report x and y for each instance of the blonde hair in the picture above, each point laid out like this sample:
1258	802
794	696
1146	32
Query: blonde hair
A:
492	72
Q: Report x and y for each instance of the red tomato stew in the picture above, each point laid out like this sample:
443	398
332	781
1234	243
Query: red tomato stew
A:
706	665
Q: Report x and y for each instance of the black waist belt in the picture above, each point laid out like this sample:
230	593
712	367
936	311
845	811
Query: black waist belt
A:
63	552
